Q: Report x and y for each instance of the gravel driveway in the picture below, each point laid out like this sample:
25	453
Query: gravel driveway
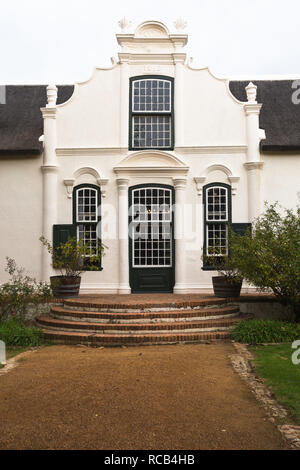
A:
156	397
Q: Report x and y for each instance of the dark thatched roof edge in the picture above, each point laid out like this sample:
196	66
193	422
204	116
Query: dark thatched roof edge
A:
21	122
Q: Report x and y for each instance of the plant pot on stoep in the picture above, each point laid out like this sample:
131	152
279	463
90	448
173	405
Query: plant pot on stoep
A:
225	287
65	286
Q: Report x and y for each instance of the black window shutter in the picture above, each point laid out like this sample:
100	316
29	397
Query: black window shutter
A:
61	233
240	228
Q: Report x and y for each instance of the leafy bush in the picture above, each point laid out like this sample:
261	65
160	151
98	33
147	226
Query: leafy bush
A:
16	333
19	291
74	256
269	257
264	331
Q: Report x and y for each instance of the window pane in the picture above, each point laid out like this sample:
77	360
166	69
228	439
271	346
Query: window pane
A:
88	233
148	135
86	205
217	239
152	235
216	204
151	95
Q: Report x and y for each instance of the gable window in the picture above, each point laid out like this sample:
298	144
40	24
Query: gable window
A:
217	218
86	204
151	113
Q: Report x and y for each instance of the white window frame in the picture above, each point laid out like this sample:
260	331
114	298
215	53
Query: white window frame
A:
206	212
95	219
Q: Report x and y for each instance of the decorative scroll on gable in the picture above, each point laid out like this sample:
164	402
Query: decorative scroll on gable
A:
151	37
152	29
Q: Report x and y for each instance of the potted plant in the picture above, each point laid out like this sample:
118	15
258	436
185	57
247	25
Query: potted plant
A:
71	258
229	281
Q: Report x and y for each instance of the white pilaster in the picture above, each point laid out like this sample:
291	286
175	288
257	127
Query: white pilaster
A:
178	98
124	103
124	287
49	170
253	164
179	185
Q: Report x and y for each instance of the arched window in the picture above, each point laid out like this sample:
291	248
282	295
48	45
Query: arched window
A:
86	214
151	122
217	218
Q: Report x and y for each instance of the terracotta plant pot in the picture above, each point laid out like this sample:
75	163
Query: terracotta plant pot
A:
65	286
224	287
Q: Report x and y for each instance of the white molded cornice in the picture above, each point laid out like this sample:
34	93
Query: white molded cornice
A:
144	172
252	108
151	58
102	182
220	150
233	180
122	183
199	180
69	183
179	58
49	168
49	113
177	40
179	183
253	165
88	152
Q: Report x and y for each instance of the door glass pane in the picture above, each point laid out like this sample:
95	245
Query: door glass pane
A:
152	235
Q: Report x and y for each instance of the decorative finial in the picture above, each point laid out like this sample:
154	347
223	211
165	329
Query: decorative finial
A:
180	23
251	91
124	24
51	96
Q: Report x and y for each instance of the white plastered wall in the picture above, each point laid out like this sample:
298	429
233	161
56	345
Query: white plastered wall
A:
280	179
211	117
21	213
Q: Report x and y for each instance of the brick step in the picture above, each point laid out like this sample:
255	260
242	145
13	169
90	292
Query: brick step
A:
93	304
138	328
145	317
70	337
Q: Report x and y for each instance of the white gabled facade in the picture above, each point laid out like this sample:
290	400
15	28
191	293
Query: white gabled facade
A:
88	140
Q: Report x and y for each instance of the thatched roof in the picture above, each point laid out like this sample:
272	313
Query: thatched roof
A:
279	116
21	122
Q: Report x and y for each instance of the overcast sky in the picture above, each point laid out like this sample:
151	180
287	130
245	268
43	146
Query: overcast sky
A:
60	41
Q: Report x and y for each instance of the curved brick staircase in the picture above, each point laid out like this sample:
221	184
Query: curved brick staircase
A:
159	321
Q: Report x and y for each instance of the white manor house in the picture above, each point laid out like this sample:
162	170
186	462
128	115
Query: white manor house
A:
152	156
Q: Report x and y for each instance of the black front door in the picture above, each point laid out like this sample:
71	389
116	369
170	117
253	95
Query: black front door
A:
151	238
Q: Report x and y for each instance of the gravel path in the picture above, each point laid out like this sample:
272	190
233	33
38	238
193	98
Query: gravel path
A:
160	397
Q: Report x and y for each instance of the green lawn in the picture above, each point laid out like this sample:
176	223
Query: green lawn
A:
274	364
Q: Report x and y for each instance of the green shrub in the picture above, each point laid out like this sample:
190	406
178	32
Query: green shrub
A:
16	333
74	256
20	291
269	256
265	331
